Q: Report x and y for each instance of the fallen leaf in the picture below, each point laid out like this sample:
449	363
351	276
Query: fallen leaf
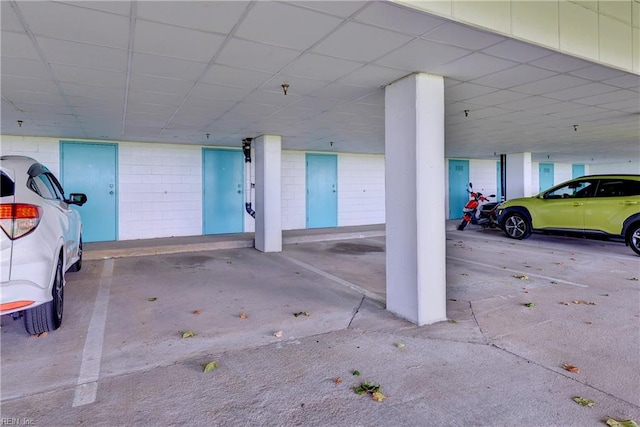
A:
453	321
584	401
521	276
365	387
571	368
243	315
377	396
278	334
635	279
564	303
553	282
528	304
152	299
40	335
302	313
209	367
338	381
399	345
464	274
188	334
196	312
355	373
612	422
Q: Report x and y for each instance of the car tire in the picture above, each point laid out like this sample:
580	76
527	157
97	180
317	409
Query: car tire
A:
517	226
633	237
463	224
48	317
77	266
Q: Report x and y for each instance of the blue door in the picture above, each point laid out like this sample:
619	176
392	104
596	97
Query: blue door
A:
577	171
92	169
322	190
458	182
223	192
546	176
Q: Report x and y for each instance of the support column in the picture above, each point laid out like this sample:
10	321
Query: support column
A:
268	193
518	175
415	195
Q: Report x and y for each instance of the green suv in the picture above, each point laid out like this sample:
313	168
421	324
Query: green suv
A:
593	206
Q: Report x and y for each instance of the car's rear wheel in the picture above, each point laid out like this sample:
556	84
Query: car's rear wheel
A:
633	237
517	226
77	266
48	316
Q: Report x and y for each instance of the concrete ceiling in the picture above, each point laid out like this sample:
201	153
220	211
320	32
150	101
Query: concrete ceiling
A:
176	71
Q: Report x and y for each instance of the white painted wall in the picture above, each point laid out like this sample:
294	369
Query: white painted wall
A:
360	189
611	168
605	31
160	186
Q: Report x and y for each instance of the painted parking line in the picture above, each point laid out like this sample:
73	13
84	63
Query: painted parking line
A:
539	276
352	286
87	386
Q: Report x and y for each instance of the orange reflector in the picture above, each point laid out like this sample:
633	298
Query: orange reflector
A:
15	304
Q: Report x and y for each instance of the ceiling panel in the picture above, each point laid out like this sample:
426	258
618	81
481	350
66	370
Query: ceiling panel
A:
218	67
73	23
359	42
175	42
274	24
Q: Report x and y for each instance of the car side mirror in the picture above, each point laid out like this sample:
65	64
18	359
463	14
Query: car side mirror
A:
77	199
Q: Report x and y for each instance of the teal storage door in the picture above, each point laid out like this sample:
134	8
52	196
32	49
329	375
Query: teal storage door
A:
577	171
223	192
498	182
458	182
92	169
322	190
546	176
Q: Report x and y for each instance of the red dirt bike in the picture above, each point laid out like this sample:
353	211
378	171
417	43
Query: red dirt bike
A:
479	210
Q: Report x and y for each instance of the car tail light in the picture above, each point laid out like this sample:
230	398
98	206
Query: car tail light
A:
19	219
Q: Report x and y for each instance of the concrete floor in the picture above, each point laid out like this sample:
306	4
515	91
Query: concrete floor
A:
120	359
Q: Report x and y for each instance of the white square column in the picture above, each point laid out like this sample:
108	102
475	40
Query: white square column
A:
268	237
518	175
415	198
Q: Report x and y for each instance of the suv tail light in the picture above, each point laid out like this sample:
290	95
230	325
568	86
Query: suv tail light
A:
19	219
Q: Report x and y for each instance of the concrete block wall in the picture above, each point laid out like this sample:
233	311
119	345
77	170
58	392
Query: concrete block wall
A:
361	193
160	190
293	190
160	186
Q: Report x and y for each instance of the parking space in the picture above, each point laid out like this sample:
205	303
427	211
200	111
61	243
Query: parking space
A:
284	327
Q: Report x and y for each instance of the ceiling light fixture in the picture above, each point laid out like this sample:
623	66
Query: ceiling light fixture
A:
208	135
285	87
466	113
331	143
20	123
575	128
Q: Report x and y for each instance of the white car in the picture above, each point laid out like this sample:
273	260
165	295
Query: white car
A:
41	239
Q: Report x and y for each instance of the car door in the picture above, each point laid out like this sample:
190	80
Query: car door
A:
615	200
563	207
61	219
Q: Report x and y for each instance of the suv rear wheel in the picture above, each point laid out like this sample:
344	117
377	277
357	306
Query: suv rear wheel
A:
633	237
47	317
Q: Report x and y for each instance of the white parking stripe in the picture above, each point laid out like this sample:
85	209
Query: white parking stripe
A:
540	276
352	286
87	388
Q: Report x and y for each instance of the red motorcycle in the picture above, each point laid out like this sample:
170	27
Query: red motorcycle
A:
479	210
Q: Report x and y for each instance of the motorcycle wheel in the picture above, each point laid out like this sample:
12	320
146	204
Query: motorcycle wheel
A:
463	224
